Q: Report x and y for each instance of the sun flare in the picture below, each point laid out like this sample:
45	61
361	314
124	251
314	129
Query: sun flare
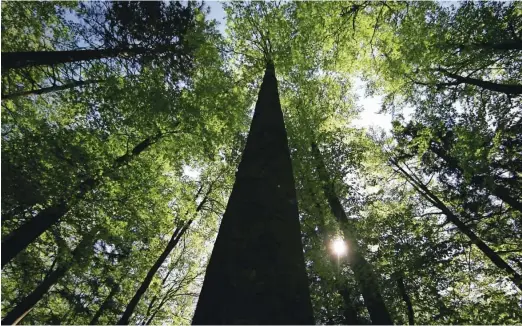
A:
339	247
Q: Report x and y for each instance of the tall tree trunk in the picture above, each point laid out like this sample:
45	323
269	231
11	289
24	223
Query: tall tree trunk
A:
105	304
349	313
461	226
406	299
20	238
363	271
176	236
497	190
501	88
26	304
51	89
256	274
50	58
129	310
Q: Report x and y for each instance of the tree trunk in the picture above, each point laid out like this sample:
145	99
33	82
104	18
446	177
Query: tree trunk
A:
105	304
256	274
497	190
501	88
349	313
490	253
51	89
176	236
129	310
12	60
406	299
27	303
504	46
20	238
363	271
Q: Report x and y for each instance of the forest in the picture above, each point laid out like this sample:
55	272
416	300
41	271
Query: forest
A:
161	165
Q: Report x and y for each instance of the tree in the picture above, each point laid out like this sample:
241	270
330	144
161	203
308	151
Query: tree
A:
26	304
19	239
174	240
363	271
257	261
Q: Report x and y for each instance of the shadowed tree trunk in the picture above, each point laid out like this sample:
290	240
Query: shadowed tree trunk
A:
363	271
501	88
51	89
50	58
14	316
498	190
105	304
174	240
20	238
461	226
129	310
349	313
256	274
406	299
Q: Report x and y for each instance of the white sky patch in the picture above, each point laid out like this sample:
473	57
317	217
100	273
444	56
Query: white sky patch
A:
371	105
191	172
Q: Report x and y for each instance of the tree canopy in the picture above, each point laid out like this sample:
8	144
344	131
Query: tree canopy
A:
124	125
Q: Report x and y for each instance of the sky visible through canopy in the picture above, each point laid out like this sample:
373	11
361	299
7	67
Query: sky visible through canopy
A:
369	116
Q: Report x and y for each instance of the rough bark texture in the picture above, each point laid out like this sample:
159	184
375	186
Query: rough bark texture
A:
14	316
363	271
406	299
490	253
256	274
19	239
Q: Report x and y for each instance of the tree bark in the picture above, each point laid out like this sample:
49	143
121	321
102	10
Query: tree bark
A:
14	316
461	226
105	304
129	310
256	273
406	299
349	313
501	88
12	60
363	271
498	190
20	238
176	236
51	89
504	46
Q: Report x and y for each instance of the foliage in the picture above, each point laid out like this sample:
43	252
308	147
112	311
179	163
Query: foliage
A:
457	66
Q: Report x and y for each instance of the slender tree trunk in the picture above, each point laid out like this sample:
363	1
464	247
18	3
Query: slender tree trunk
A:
129	310
504	46
406	299
490	253
501	88
363	271
20	238
256	274
497	190
105	304
349	313
176	236
14	316
51	89
50	58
